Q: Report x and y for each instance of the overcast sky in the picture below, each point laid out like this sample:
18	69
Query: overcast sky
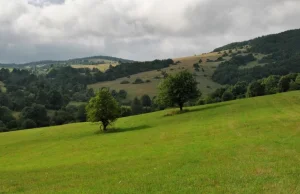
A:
33	30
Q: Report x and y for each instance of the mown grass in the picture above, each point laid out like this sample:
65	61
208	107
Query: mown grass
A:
243	146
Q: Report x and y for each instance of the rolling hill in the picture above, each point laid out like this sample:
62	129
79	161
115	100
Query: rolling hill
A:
243	146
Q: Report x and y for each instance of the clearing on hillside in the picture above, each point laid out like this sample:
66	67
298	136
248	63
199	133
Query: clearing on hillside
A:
203	76
243	146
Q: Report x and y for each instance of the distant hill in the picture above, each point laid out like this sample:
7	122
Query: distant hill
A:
93	60
280	55
276	54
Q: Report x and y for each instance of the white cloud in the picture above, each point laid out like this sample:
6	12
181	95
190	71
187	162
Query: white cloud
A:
136	29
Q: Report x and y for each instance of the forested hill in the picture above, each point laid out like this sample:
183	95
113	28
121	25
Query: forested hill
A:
280	55
288	41
85	60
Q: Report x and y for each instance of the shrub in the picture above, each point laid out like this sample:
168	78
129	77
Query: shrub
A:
256	88
147	81
28	124
138	81
12	124
201	101
125	111
196	65
124	82
227	96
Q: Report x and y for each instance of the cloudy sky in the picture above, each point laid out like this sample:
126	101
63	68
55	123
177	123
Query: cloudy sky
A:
33	30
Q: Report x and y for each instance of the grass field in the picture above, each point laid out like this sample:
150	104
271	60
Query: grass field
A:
101	67
206	85
243	146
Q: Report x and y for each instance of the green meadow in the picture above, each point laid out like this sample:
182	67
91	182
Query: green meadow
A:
243	146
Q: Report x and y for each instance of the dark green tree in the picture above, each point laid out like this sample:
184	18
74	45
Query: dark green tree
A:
136	106
271	84
103	108
37	113
28	124
227	96
146	101
178	89
256	88
55	100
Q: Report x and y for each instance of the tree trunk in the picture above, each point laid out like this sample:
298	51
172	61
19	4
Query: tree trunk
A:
104	124
105	127
180	106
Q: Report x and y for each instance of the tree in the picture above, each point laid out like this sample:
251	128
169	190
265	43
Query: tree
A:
239	89
256	88
227	96
178	89
55	100
103	108
146	101
271	84
80	114
136	106
295	85
28	124
37	113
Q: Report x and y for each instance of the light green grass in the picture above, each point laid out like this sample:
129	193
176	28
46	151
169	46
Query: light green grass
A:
243	146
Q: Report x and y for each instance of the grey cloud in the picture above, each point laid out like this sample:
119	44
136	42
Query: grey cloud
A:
141	30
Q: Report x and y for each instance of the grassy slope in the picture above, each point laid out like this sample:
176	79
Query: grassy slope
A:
151	88
243	146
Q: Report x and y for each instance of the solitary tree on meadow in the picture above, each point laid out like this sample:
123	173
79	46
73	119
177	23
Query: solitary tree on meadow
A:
103	108
178	89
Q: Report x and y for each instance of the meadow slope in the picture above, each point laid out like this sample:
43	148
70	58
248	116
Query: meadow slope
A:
243	146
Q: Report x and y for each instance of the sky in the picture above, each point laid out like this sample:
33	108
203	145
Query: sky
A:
33	30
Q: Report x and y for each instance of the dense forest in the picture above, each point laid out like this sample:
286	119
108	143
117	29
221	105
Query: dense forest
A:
34	96
282	57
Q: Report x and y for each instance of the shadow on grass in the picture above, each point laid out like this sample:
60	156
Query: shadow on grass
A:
121	130
202	108
209	107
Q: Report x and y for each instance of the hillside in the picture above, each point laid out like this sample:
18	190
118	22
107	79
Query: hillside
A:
243	146
206	85
86	62
279	55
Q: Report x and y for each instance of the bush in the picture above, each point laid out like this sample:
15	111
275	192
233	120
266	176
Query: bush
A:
196	65
3	128
126	111
256	88
227	96
147	81
12	124
124	82
201	101
28	124
138	81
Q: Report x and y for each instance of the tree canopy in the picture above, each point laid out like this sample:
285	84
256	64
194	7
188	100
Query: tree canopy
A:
178	89
103	108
